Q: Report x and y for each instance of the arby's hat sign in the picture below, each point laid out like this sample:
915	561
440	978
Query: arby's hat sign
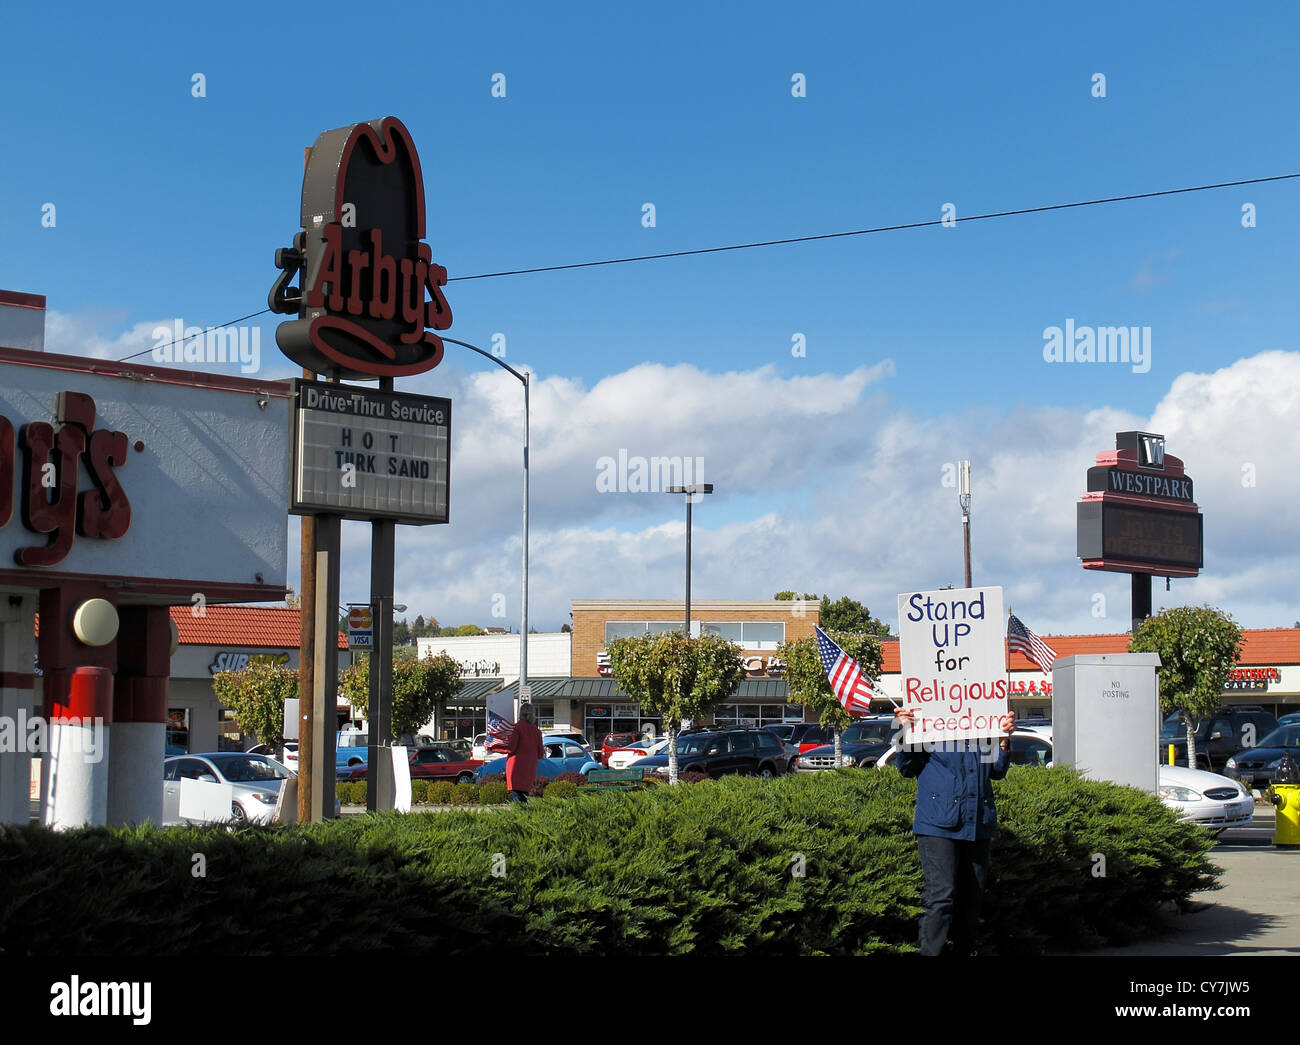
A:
371	295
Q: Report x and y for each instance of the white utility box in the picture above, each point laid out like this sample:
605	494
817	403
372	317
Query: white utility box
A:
1106	716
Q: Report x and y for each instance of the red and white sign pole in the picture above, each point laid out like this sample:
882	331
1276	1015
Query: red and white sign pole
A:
139	716
74	771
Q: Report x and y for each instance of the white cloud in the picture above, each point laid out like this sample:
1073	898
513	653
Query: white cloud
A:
821	484
823	494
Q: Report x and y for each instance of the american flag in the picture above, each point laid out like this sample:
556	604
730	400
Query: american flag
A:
499	733
1021	638
851	686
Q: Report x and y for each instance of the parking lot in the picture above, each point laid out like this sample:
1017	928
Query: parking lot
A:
1256	912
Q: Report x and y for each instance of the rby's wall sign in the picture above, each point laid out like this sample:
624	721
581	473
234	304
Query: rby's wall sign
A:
50	503
157	481
366	269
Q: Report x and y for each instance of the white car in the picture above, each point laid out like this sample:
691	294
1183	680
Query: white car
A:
622	758
1208	799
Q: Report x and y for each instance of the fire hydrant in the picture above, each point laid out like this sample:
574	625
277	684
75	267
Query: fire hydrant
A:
1285	794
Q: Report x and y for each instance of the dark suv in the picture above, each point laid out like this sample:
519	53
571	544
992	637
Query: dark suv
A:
752	751
1218	736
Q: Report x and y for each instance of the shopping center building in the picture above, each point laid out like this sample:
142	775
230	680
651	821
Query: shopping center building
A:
571	685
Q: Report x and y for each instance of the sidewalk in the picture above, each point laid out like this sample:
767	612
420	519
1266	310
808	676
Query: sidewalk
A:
1256	912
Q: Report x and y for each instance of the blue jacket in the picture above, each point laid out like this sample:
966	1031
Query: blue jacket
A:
954	790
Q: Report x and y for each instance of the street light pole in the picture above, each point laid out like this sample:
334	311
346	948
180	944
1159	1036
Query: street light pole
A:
963	498
523	617
698	489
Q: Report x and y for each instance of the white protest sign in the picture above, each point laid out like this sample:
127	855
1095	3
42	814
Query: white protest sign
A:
953	663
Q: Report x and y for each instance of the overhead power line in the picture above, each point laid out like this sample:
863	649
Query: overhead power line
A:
818	236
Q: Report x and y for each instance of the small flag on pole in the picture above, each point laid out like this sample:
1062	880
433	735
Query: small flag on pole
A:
1021	638
851	686
500	732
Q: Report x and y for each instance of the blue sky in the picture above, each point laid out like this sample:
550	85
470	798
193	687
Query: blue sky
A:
170	205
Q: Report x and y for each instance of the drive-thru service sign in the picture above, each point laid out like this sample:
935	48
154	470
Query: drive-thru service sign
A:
953	662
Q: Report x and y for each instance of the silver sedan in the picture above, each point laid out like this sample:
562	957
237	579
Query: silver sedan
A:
254	782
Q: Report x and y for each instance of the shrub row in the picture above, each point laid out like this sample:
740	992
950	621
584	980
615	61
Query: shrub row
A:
444	792
820	864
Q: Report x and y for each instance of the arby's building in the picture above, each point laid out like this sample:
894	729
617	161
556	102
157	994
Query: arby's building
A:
125	489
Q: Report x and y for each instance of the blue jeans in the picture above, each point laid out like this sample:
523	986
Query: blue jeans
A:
955	875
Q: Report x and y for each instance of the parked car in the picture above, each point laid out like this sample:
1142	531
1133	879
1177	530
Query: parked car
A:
255	782
614	742
432	763
1289	718
808	735
1255	766
1212	801
751	751
573	735
351	748
562	756
623	757
861	744
1027	749
461	747
1218	736
479	747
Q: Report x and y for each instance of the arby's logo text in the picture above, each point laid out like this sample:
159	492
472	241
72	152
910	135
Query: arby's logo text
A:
364	263
48	499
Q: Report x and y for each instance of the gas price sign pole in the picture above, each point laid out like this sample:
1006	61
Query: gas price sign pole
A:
368	300
1138	517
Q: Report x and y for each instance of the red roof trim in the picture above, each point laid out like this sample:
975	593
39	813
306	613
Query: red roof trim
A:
164	375
17	299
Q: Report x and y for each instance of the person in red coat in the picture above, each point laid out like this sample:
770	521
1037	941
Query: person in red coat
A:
525	747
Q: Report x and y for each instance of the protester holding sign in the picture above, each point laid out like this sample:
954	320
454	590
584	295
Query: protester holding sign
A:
954	823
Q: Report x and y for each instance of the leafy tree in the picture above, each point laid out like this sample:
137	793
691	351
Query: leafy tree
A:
465	629
256	695
1199	647
676	677
401	633
844	614
420	686
292	600
809	685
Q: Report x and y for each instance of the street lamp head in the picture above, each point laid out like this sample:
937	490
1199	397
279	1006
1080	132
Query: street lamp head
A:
697	488
399	608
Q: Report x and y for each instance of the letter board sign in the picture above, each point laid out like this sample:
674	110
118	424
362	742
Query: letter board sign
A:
364	454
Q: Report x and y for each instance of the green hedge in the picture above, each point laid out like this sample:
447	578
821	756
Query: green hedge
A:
712	868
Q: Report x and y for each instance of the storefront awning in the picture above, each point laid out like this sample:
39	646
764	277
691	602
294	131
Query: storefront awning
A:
592	689
542	689
607	689
476	689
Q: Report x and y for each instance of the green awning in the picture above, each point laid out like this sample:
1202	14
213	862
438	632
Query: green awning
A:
542	689
606	689
476	689
762	689
593	689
